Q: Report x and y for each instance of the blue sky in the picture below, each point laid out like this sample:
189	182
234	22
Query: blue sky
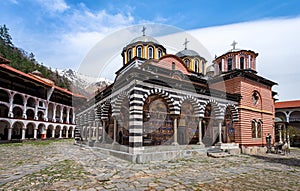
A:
61	32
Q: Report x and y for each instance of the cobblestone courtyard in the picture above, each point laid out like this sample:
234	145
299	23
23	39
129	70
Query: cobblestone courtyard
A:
60	165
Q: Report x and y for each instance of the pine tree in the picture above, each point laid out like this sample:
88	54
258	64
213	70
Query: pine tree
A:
5	36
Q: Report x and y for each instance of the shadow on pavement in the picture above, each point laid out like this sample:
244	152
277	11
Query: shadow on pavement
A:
275	158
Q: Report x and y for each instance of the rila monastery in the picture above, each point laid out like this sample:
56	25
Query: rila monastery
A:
160	106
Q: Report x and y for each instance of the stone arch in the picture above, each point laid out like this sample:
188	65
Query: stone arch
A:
4	109
41	131
234	111
117	104
64	131
196	105
174	108
4	126
98	111
40	115
4	96
50	111
215	106
57	113
71	128
17	130
30	114
294	116
30	130
31	102
18	99
281	115
49	131
104	109
65	111
18	112
57	131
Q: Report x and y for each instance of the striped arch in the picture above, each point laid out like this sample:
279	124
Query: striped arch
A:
105	109
234	111
117	103
196	105
98	111
216	107
174	108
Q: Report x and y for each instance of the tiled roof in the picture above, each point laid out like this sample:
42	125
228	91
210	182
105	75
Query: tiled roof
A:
287	104
39	79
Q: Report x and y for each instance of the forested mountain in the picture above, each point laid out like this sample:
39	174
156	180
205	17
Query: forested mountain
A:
26	62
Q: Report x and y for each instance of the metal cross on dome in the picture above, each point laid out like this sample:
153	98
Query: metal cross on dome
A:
185	43
143	30
233	45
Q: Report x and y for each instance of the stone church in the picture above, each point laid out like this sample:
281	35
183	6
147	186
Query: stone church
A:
162	105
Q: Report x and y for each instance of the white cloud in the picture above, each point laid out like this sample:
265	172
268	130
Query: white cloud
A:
54	5
277	42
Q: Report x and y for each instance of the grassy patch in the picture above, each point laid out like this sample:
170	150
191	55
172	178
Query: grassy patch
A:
55	176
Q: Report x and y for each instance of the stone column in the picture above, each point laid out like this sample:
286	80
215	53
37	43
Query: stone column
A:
46	112
24	116
200	132
23	133
175	142
115	131
67	133
35	133
284	133
54	113
68	115
36	117
97	132
9	134
73	130
73	116
280	134
53	132
220	131
61	114
60	132
11	101
103	132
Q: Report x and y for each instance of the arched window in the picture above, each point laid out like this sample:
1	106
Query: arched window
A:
159	53
187	63
242	63
253	128
196	62
229	64
139	51
129	55
258	130
220	67
150	52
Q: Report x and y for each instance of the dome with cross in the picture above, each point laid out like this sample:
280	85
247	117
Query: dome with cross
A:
143	47
192	59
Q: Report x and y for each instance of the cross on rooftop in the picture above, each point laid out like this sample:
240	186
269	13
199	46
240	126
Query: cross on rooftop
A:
143	30
233	45
185	43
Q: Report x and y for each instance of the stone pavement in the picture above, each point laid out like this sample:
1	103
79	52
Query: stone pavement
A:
60	165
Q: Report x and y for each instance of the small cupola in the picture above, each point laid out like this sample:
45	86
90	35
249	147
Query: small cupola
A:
193	61
235	58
